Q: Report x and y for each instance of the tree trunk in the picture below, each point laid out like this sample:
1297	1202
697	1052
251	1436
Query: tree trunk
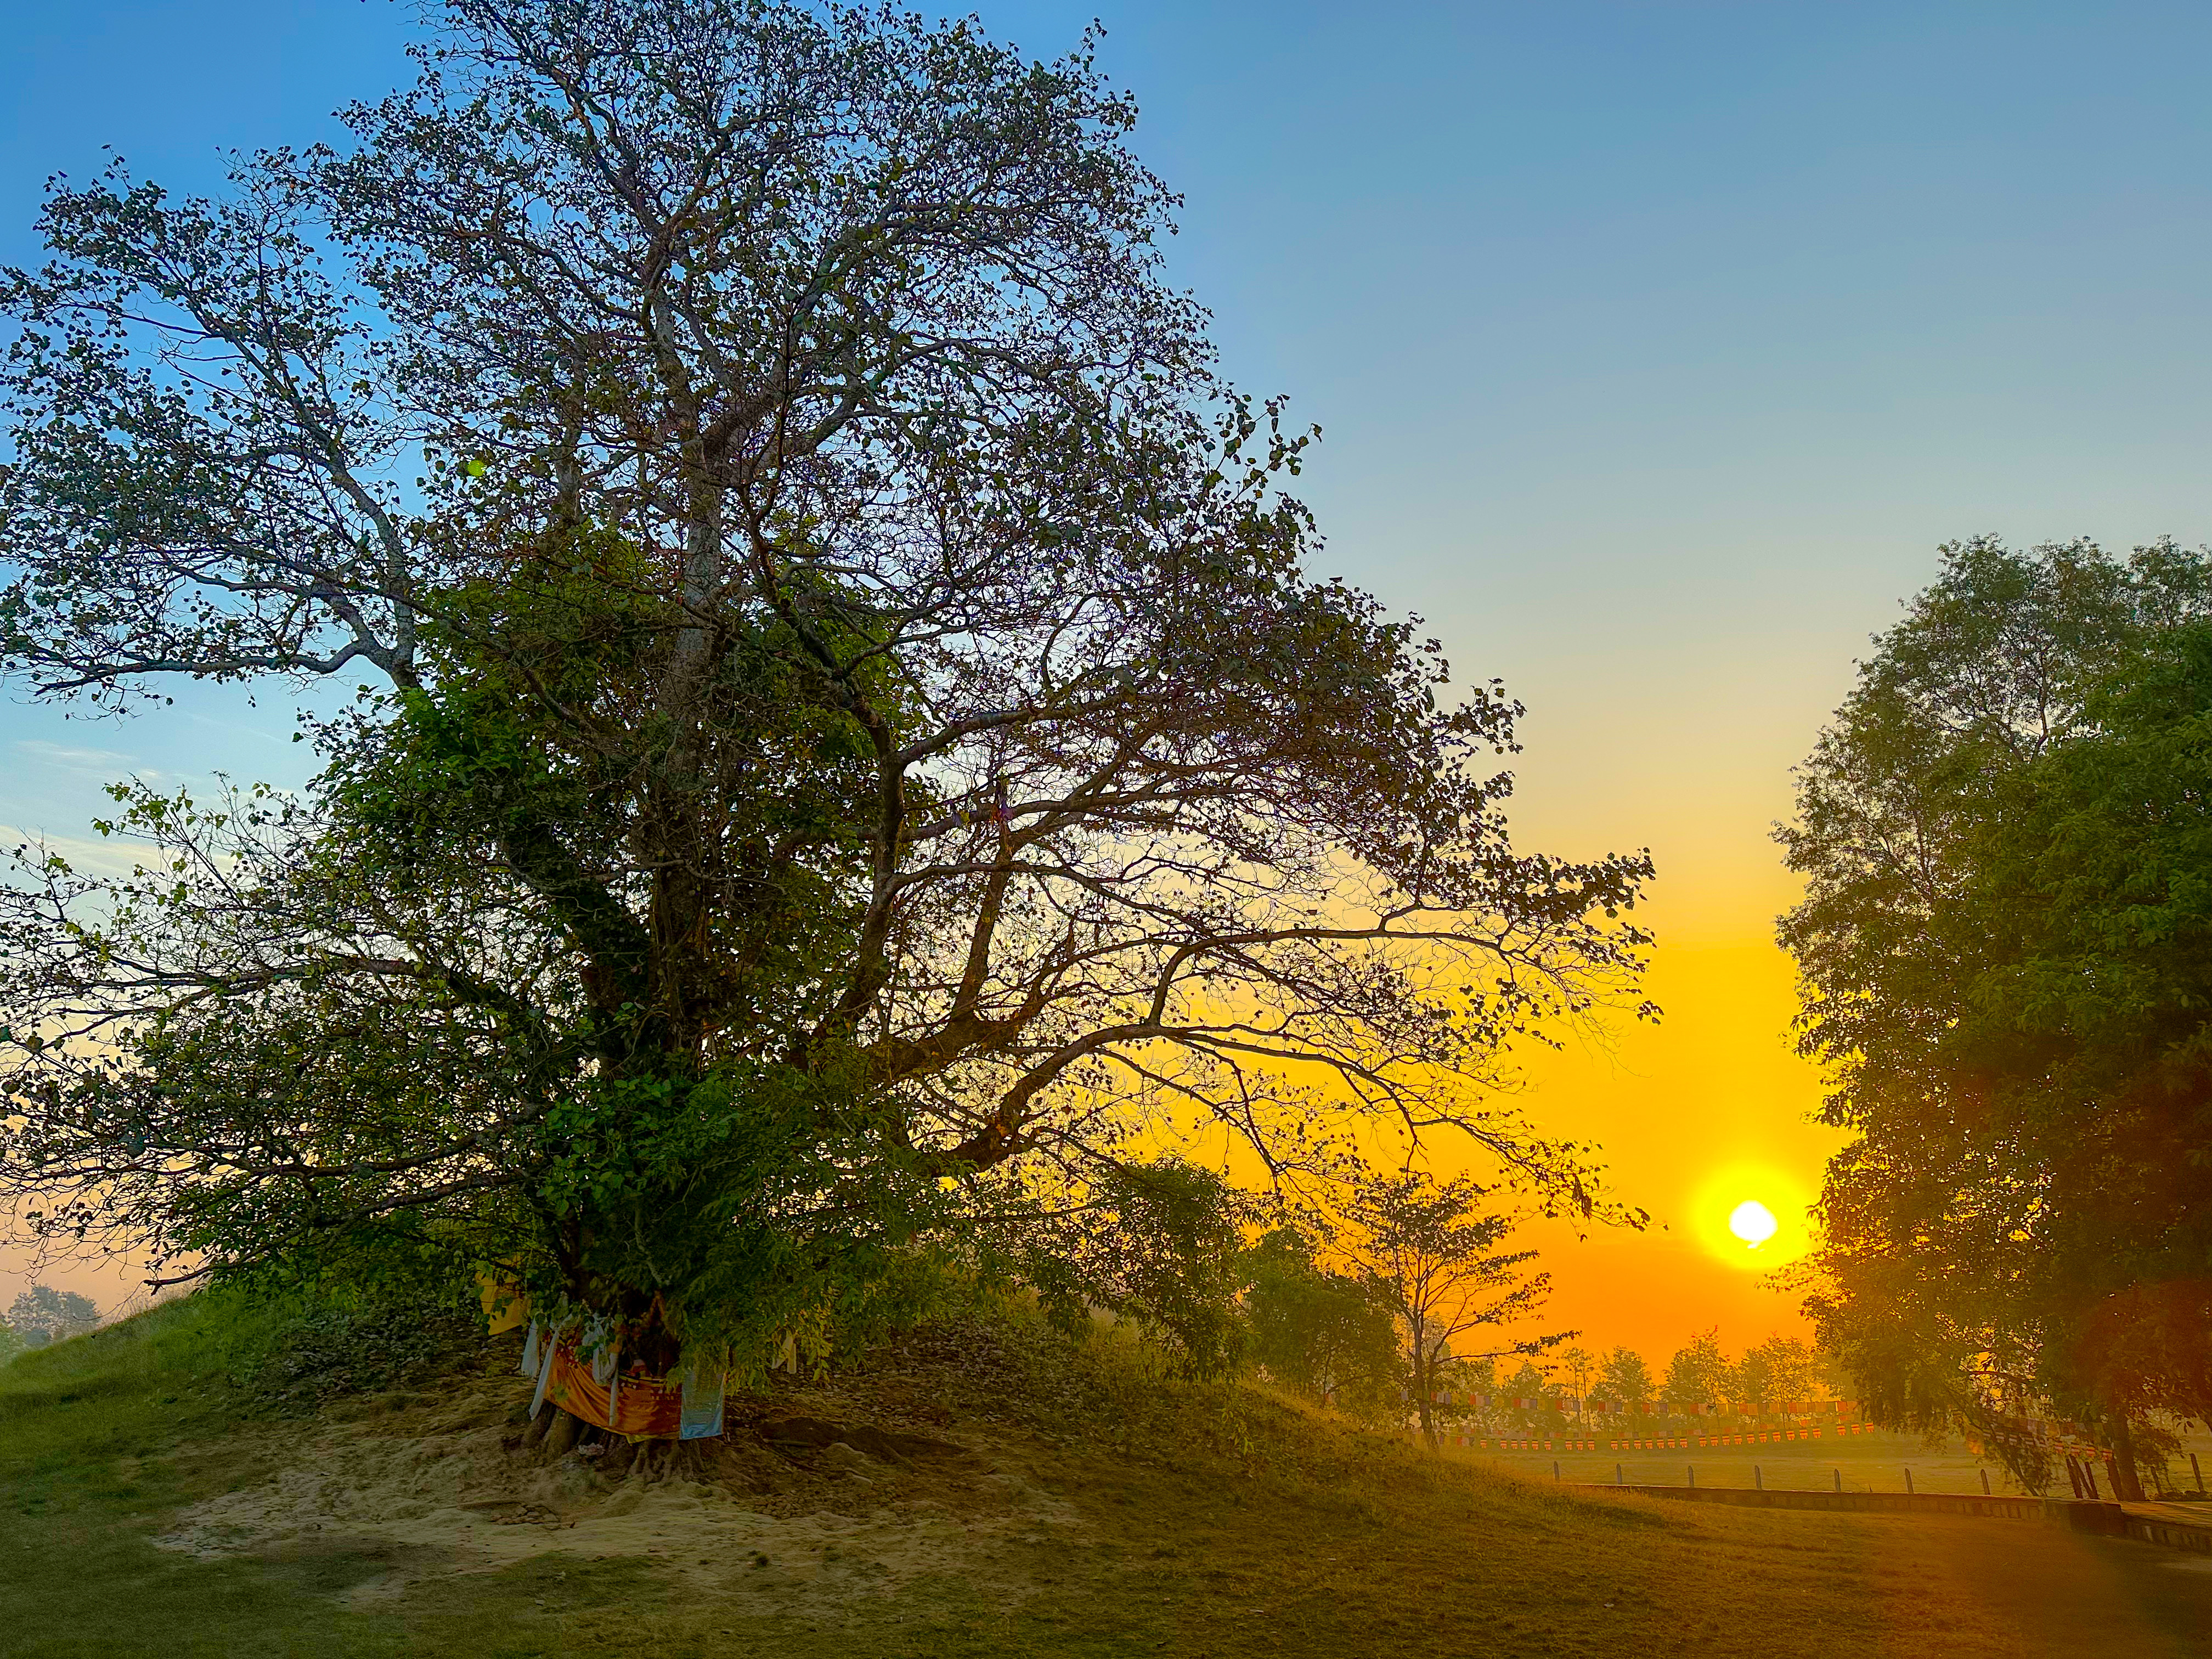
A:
563	1434
2127	1486
1423	1386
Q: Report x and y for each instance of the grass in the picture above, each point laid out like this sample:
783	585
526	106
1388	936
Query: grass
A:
1155	1518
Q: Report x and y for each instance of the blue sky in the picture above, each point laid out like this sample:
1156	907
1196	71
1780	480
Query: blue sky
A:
1656	347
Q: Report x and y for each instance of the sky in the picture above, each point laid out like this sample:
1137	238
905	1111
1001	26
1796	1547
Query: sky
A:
1655	348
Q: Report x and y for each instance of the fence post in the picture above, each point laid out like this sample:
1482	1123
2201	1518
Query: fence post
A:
1985	1483
1908	1477
1555	1468
1839	1480
1616	1480
1758	1477
2197	1470
1693	1477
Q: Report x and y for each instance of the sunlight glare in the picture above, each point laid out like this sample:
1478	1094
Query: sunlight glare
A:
1752	1222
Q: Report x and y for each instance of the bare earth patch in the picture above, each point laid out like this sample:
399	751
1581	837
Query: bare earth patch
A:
778	1516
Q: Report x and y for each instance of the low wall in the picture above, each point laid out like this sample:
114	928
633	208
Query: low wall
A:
2173	1535
2107	1518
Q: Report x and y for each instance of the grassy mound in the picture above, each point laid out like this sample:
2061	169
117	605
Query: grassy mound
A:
978	1487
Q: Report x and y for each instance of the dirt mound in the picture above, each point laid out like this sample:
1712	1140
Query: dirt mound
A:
812	1496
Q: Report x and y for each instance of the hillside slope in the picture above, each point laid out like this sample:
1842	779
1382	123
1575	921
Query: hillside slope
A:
970	1489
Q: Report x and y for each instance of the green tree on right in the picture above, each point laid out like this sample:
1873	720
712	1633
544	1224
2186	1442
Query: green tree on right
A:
2005	954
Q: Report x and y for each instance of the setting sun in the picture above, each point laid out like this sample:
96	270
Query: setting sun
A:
1750	1234
1752	1222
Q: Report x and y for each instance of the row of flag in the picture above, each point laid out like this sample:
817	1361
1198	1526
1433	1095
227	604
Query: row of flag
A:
1672	1442
2065	1438
1568	1405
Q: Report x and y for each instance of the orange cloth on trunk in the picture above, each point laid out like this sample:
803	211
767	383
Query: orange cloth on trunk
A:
645	1407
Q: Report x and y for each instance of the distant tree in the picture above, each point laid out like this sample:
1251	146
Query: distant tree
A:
1428	1252
2005	948
11	1342
1477	1374
1528	1385
1780	1368
1831	1373
42	1314
1697	1375
1625	1378
1322	1334
1579	1365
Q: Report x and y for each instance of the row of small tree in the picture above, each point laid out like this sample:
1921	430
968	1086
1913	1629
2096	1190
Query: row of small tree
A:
1699	1374
1403	1296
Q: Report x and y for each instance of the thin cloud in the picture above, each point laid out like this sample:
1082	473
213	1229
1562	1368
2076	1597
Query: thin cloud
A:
76	760
95	856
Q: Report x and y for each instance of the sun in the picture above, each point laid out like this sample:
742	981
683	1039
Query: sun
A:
1752	1235
1753	1223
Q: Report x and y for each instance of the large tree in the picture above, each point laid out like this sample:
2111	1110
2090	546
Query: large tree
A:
2002	944
846	732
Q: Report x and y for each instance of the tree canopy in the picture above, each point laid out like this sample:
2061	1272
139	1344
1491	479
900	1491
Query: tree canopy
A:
2002	944
1699	1374
1431	1252
1625	1379
848	742
1320	1333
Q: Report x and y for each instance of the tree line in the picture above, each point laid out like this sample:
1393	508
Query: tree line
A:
1699	1373
1404	1301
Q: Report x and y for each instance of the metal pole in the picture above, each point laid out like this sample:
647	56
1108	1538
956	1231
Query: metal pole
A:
1985	1483
1616	1480
1693	1477
1758	1477
1839	1480
2196	1469
1908	1477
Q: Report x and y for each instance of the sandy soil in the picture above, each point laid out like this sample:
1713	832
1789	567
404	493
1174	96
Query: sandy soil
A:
448	1488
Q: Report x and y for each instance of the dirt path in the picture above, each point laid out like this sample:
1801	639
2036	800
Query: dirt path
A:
2037	1591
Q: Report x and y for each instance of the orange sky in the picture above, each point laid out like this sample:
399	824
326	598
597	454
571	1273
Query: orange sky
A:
1697	1114
1709	1106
